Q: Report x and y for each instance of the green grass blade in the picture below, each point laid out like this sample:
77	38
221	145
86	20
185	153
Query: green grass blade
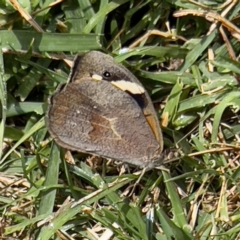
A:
3	99
48	42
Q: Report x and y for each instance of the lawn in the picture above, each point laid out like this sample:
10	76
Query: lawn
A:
185	53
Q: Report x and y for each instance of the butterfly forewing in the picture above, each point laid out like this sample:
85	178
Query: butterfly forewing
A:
97	113
95	117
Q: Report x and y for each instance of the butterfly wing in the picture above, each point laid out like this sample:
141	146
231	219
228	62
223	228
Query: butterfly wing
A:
98	63
96	117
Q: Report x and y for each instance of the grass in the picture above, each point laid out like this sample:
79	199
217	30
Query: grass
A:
191	71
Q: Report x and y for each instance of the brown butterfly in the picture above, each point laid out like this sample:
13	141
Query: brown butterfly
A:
104	110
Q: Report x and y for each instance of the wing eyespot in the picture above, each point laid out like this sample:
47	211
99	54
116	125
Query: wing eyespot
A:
107	74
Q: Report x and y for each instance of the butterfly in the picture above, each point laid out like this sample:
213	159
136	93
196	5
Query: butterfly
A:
104	110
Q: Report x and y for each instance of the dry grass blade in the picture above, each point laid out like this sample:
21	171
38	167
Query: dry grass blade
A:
26	16
211	17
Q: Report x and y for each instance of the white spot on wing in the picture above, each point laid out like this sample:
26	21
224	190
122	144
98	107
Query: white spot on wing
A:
131	87
97	77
